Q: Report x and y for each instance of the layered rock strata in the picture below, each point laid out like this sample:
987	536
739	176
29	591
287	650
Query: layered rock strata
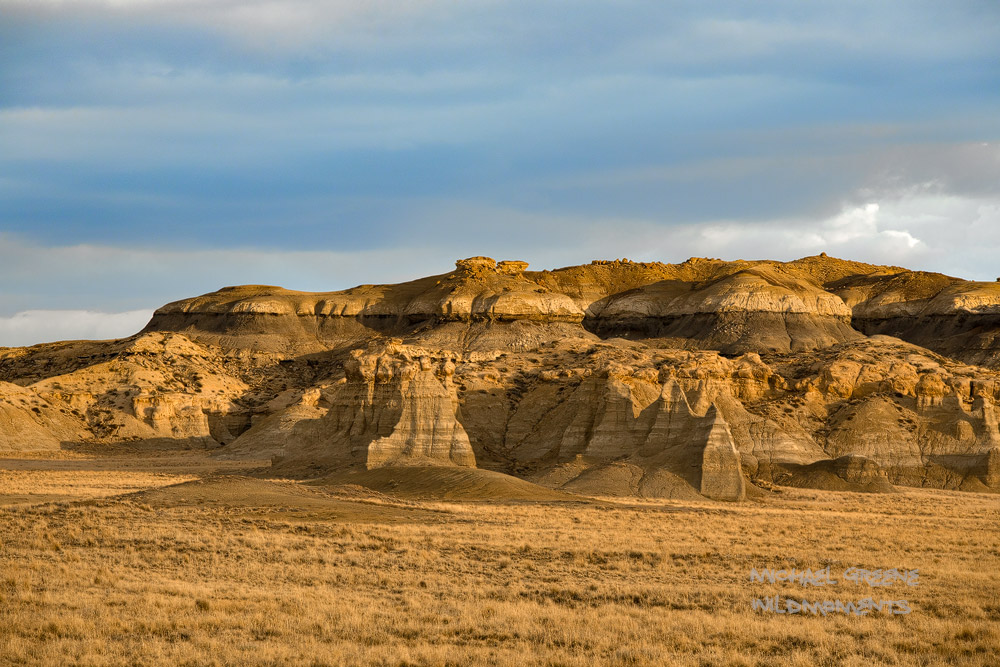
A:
705	378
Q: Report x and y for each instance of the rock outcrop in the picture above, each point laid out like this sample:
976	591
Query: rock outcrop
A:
721	474
29	423
395	406
699	379
427	431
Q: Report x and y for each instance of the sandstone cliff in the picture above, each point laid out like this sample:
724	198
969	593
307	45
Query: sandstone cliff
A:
705	378
394	406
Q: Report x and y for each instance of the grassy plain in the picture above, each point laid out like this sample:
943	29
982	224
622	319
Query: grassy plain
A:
175	561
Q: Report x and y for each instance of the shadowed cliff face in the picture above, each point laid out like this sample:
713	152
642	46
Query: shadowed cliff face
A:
705	378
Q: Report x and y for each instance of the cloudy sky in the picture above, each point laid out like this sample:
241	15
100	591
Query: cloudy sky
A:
151	150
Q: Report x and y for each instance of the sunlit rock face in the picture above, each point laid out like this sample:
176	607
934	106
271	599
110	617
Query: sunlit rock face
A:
701	379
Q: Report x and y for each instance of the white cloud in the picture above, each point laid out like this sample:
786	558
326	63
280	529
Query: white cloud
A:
861	224
42	326
916	228
856	232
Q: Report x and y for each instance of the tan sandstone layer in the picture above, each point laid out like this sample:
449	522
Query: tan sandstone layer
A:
620	378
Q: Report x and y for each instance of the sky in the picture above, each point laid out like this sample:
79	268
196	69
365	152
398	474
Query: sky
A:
152	150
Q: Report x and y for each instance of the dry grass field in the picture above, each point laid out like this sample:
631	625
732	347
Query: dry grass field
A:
164	560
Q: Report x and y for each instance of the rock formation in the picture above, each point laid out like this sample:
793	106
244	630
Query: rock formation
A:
705	378
28	422
395	405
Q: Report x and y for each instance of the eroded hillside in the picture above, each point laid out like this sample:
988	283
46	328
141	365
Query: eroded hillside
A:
706	377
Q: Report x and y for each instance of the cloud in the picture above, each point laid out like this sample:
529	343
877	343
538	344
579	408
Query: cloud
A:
651	32
916	228
290	26
861	224
857	232
134	122
43	326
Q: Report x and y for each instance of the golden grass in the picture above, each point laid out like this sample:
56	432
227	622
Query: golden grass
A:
35	486
289	576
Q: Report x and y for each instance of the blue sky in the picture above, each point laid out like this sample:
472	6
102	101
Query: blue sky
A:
157	149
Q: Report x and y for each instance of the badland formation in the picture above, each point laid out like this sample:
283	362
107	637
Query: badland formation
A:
705	378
